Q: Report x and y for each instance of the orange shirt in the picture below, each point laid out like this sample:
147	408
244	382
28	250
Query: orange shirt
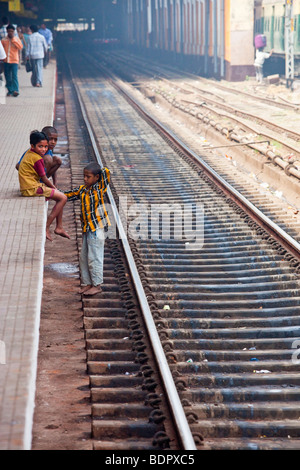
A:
12	47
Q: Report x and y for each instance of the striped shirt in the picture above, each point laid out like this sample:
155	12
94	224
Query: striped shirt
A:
93	212
37	46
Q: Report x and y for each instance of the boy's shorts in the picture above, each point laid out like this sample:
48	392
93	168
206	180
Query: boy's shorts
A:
41	190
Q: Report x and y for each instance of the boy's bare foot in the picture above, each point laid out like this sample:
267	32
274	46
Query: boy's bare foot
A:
61	232
48	236
93	291
84	289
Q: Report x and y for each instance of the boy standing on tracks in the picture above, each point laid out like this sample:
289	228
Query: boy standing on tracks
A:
94	221
34	182
260	58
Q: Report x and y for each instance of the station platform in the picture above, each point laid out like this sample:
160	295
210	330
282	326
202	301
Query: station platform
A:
22	242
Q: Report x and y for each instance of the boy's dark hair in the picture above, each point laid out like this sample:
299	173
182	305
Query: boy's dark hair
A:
37	136
34	28
49	130
10	26
94	168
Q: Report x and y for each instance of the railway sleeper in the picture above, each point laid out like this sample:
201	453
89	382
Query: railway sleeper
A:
204	304
255	357
233	313
235	333
92	342
113	312
261	443
108	321
249	429
116	429
236	366
242	275
118	395
218	344
241	394
123	411
202	288
103	381
112	356
285	380
248	411
93	323
124	444
253	322
112	368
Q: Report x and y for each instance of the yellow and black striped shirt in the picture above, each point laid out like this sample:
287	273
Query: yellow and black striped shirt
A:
93	212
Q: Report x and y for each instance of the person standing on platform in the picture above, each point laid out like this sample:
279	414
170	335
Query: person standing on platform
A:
36	51
46	32
12	46
3	29
27	33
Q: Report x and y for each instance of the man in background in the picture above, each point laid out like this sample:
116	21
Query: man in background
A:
36	51
3	29
12	45
44	31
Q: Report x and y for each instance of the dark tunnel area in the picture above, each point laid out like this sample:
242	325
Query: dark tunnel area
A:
199	36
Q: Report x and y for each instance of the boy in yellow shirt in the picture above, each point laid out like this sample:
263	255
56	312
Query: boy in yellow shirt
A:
34	182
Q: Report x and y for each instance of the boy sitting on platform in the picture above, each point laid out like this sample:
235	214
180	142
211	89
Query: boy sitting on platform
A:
51	162
34	182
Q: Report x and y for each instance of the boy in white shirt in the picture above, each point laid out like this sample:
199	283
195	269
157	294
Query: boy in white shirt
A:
260	58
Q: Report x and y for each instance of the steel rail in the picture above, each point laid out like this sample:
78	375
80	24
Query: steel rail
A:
182	426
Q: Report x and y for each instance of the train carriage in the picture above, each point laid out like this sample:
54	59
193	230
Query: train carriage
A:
210	37
270	21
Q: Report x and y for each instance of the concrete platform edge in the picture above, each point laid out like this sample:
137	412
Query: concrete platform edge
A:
29	415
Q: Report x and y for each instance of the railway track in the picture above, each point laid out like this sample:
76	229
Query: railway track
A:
222	103
189	133
226	309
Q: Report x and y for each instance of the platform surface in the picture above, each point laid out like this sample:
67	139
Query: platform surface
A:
22	241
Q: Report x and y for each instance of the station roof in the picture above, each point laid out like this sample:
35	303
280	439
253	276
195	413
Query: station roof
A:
70	10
